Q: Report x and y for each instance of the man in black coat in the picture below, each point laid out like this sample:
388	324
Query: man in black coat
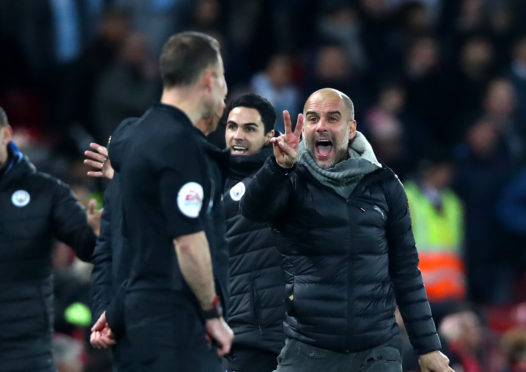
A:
349	252
112	257
35	209
256	283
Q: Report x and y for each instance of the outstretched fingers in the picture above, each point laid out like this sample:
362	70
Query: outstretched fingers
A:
287	122
299	126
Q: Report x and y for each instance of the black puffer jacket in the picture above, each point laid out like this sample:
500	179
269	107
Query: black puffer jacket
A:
348	262
256	281
35	208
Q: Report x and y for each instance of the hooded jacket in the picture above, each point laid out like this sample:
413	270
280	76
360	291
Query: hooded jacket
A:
256	281
35	209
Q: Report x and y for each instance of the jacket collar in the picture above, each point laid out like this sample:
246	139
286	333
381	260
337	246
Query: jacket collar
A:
18	165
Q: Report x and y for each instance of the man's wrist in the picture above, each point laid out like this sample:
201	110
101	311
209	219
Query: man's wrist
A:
214	311
280	168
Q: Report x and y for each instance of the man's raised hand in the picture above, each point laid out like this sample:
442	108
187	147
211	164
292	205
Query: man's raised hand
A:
286	146
99	161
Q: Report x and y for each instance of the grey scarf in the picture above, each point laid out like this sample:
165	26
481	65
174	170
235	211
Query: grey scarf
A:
343	177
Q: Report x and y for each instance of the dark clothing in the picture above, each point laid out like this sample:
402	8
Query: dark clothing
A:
299	356
256	281
35	209
168	154
171	185
169	334
479	181
243	359
347	261
111	257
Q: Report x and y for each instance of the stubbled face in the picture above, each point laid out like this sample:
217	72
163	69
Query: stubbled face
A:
245	131
5	137
328	128
218	94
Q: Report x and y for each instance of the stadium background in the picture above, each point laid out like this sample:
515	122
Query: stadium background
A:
431	79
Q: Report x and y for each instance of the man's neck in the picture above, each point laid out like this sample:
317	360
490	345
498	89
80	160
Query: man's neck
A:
184	100
5	163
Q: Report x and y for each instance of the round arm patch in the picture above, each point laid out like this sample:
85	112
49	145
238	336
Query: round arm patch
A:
190	199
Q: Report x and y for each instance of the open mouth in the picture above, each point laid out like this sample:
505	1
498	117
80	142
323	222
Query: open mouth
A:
323	149
239	150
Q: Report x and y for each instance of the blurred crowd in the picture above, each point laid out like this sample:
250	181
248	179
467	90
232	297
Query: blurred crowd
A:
433	81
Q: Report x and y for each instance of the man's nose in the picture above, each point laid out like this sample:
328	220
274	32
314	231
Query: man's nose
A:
321	126
238	133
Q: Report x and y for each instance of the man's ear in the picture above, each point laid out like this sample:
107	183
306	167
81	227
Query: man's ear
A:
352	129
268	136
208	78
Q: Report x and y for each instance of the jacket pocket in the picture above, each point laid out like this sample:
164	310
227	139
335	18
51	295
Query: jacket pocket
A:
289	298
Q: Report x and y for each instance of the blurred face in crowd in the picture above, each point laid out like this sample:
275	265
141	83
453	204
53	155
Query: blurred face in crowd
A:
5	136
477	55
279	71
328	127
332	63
440	175
483	138
500	98
245	131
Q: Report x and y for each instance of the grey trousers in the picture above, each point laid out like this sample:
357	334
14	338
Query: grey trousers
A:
297	356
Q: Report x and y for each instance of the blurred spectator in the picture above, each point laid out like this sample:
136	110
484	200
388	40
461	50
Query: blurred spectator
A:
471	79
330	67
77	103
514	348
438	225
464	334
340	23
483	165
275	84
518	79
397	138
376	34
385	131
499	106
157	19
512	214
127	87
425	87
501	30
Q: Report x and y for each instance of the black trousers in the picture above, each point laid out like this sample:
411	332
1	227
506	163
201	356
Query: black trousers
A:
245	359
124	359
167	335
297	356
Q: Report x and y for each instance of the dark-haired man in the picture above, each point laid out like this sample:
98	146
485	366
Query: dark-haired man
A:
36	208
349	255
256	307
171	184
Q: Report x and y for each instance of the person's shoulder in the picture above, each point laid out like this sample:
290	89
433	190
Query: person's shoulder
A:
48	180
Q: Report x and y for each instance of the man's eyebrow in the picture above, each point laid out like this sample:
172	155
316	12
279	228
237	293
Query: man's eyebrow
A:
250	124
328	113
231	122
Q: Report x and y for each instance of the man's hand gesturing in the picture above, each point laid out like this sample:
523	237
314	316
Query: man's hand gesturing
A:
286	146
